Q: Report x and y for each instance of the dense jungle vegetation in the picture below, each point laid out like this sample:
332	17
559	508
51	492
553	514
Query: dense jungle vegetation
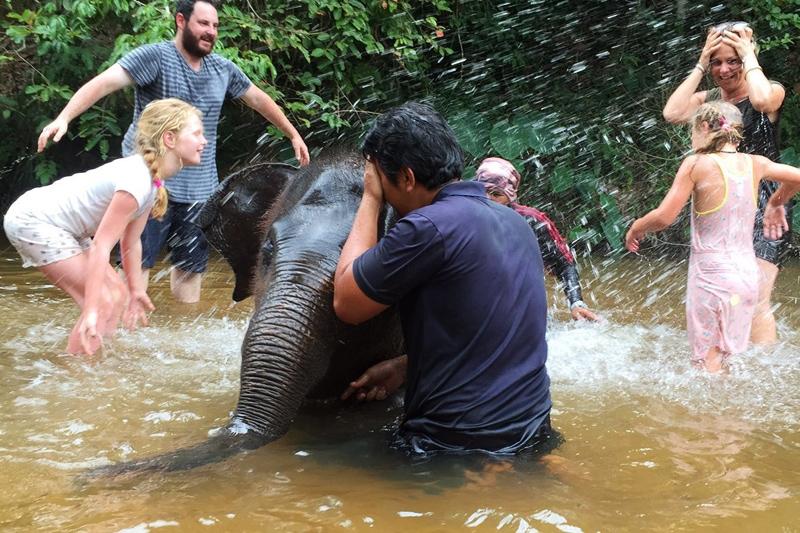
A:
571	91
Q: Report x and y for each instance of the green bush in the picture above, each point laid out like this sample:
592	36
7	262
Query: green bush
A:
572	96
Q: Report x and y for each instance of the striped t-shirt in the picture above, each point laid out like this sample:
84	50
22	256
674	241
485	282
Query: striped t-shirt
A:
160	71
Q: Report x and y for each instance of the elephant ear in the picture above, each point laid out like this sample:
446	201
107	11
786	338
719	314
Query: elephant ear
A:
231	217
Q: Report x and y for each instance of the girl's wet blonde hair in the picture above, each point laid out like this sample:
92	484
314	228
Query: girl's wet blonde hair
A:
159	117
724	125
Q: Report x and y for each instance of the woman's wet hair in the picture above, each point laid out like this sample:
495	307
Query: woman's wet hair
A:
724	125
733	25
159	117
415	136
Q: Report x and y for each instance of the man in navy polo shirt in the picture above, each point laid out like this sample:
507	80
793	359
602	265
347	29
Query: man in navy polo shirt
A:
471	301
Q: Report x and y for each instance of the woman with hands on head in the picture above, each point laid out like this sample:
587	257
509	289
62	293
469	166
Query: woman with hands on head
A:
729	57
68	229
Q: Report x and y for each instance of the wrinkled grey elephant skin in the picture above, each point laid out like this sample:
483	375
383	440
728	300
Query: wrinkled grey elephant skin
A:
282	230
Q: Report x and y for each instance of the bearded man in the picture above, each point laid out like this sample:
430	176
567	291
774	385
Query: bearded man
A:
184	68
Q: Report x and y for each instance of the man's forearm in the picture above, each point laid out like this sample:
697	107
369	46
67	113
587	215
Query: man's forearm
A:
105	83
267	108
364	233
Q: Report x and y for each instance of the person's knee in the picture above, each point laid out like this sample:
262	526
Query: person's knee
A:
185	286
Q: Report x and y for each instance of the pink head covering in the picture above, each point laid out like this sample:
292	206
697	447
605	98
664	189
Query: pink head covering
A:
499	175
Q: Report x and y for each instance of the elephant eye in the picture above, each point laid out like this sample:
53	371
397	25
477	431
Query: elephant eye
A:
267	251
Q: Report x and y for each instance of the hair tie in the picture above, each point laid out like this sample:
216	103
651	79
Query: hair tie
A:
158	183
724	125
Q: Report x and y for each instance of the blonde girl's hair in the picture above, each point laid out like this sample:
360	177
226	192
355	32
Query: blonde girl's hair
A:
159	117
724	122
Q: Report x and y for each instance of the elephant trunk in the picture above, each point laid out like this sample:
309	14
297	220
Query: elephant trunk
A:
288	345
286	351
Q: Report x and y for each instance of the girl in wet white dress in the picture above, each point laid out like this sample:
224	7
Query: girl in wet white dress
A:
722	289
67	229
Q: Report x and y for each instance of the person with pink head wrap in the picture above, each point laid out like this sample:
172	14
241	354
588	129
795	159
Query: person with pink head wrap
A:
502	182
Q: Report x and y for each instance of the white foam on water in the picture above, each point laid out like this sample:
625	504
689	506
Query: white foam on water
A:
72	466
74	427
144	527
604	359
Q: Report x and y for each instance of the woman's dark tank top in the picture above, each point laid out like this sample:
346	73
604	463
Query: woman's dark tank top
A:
761	136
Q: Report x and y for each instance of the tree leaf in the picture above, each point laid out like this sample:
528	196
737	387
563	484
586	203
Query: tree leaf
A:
472	132
508	139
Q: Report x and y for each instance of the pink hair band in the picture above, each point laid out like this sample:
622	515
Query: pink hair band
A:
158	183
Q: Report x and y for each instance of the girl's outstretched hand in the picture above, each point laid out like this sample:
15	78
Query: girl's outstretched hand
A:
632	239
90	339
137	310
775	223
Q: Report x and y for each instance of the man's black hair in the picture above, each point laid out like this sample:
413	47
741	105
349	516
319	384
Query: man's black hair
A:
186	7
414	135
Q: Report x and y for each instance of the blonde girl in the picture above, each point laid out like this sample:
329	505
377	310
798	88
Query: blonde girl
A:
729	59
722	290
67	229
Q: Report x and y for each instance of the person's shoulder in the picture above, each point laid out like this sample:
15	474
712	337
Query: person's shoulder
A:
422	219
150	48
528	212
699	165
143	58
133	164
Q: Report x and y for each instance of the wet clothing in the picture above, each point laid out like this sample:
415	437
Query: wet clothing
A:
722	289
556	254
188	248
473	311
160	71
761	137
56	222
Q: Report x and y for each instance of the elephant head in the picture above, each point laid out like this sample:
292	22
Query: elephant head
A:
231	217
282	230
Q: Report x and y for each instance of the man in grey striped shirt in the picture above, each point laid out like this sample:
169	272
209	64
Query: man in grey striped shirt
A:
183	68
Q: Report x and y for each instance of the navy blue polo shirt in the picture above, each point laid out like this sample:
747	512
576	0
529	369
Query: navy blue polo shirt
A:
467	276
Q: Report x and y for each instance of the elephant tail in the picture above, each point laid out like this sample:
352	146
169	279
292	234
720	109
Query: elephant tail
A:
228	442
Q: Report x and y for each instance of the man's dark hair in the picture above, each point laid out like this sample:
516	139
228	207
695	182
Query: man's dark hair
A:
186	7
414	135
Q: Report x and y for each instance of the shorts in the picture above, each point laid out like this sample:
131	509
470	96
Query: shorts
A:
39	242
188	248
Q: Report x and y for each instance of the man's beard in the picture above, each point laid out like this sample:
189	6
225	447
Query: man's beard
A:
191	43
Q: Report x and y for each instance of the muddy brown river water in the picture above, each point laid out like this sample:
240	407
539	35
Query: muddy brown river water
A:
650	444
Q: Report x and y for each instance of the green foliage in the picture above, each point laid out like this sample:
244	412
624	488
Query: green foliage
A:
531	140
326	62
573	97
45	171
